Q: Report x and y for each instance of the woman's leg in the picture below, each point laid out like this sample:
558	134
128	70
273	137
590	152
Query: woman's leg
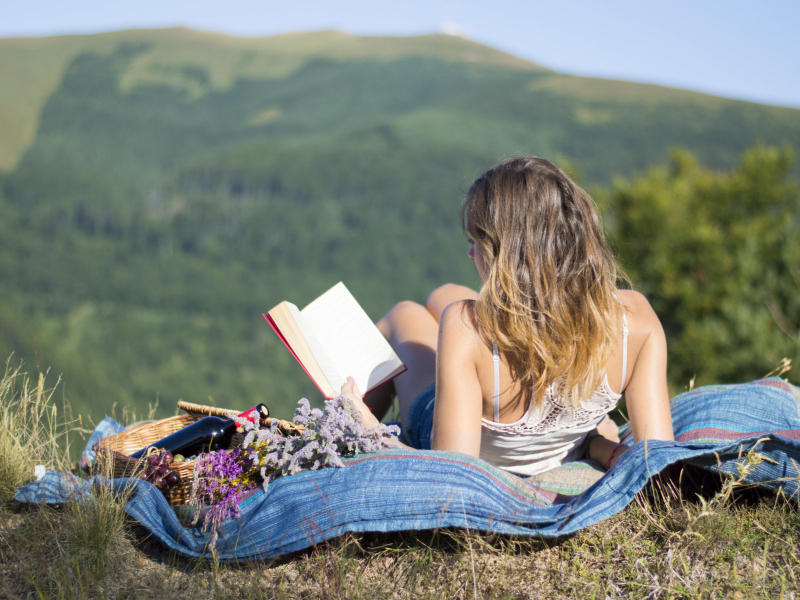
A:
447	294
412	332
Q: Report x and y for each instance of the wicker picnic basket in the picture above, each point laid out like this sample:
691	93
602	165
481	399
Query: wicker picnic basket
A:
118	448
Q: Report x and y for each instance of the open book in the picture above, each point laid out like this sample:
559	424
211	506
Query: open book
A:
332	338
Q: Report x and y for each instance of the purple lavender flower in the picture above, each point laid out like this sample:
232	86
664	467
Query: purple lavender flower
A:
221	479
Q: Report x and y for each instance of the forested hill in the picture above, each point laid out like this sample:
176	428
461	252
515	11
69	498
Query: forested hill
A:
161	189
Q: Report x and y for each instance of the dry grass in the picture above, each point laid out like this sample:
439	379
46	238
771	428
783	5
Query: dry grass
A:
697	536
31	430
747	548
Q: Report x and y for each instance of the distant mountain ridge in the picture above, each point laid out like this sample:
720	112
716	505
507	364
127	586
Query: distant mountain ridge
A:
197	62
34	66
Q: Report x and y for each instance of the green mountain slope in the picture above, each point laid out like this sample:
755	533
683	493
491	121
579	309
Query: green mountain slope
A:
196	62
163	188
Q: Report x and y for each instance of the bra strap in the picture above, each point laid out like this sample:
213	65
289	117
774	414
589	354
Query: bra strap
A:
624	351
496	361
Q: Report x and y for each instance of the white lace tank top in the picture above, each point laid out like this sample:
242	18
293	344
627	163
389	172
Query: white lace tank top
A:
550	434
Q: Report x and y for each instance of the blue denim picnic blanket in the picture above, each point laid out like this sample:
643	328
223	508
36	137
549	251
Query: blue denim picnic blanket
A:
719	428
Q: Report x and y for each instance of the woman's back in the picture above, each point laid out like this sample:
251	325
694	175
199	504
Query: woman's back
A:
514	402
531	437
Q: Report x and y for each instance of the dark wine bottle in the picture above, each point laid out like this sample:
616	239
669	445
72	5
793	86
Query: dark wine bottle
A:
206	435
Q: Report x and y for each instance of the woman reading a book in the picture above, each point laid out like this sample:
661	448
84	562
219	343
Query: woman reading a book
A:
524	373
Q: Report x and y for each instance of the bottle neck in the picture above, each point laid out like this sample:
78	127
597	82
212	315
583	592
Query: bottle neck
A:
256	414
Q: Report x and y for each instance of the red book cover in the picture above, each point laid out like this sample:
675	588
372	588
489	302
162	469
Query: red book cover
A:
285	343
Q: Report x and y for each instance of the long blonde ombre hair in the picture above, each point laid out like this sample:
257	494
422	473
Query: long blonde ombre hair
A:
549	296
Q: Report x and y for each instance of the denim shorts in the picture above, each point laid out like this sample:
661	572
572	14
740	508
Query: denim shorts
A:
420	419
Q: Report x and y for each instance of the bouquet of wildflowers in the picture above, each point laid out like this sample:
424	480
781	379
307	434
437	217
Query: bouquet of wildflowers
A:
222	478
330	434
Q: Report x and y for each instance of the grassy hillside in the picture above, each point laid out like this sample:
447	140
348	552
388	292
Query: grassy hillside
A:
161	189
449	88
196	62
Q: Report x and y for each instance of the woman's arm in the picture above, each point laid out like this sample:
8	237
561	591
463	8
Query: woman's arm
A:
602	450
351	391
647	395
459	405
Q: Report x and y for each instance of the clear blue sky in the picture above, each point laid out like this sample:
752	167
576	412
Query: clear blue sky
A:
731	48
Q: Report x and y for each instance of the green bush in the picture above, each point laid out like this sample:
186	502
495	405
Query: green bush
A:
718	256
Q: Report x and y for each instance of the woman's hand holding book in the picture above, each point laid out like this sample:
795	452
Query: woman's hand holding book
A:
351	392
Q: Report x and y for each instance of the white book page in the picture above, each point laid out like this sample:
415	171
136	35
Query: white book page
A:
351	339
326	364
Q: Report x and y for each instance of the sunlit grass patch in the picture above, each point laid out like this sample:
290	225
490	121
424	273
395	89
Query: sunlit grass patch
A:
62	551
72	552
736	542
32	432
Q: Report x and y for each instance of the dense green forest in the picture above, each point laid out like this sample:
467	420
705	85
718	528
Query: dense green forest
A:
161	189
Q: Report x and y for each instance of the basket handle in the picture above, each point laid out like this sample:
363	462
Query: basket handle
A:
205	410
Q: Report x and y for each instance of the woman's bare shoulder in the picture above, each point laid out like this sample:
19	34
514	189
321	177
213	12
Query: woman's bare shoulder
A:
457	324
458	316
642	318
